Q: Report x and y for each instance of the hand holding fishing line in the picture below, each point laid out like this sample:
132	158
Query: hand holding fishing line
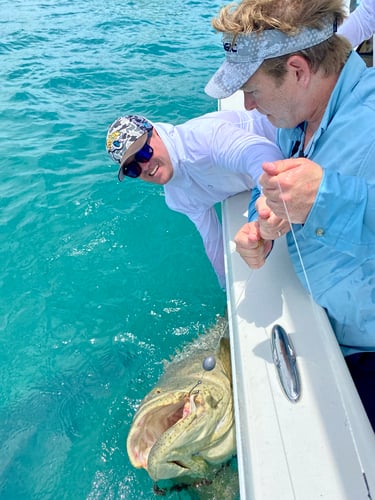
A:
254	239
294	183
251	246
271	226
289	190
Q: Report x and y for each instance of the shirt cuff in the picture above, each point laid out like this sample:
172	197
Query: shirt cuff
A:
252	213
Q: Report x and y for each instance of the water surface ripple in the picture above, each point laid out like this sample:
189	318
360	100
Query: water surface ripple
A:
99	281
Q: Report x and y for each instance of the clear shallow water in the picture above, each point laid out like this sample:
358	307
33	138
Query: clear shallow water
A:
99	280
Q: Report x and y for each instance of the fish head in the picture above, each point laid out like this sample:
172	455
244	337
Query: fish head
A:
185	425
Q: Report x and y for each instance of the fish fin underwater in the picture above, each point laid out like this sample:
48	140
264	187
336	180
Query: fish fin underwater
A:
184	427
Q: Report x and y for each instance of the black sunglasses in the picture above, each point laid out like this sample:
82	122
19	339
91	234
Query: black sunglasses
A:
133	169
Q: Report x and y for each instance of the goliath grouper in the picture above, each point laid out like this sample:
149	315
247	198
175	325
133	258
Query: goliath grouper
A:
185	425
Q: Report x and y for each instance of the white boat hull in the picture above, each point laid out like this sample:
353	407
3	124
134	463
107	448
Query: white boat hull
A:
321	446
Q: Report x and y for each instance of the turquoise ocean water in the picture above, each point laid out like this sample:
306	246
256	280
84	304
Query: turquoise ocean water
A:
99	280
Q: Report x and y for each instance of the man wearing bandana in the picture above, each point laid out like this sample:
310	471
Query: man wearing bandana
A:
292	66
199	163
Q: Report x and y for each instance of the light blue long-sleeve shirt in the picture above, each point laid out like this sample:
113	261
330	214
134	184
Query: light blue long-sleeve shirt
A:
337	241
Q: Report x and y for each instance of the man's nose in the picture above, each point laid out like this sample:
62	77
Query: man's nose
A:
249	102
144	164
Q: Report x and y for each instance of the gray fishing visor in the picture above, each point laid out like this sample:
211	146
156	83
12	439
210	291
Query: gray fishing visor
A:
245	52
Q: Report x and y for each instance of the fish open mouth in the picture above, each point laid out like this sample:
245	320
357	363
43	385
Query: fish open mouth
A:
153	424
184	427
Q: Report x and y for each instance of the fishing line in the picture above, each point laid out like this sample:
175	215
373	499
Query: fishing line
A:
239	123
209	362
319	320
296	244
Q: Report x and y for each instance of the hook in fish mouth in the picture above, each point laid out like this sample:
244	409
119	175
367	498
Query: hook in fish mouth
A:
194	386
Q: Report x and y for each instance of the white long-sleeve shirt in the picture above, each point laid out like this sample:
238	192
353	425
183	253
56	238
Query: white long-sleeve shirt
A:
360	25
215	156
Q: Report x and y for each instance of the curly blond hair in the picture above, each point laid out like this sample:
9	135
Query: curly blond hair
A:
287	16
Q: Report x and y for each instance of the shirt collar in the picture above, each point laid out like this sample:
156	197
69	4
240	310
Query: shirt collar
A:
348	79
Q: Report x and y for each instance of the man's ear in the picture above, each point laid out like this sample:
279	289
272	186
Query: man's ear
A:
299	67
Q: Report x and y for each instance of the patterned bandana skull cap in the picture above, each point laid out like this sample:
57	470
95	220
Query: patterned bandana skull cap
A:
126	136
